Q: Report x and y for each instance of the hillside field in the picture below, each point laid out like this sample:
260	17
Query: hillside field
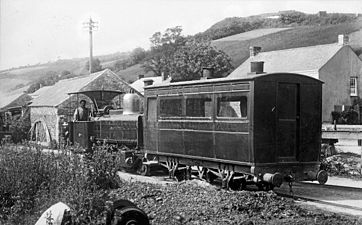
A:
292	38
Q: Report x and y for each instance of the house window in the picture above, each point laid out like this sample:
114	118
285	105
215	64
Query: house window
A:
353	85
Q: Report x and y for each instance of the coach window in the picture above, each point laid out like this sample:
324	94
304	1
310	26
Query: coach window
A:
151	109
171	107
199	106
232	106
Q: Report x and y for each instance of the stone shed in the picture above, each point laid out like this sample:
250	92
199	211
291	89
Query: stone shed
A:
52	105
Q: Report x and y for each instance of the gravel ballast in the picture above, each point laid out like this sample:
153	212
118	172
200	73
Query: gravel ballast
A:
193	203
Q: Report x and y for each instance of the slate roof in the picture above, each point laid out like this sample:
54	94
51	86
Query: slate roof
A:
40	91
305	60
17	97
58	93
139	84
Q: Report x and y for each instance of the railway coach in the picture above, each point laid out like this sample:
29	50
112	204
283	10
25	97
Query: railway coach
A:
261	129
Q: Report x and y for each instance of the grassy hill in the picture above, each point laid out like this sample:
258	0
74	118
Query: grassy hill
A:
291	38
22	76
131	73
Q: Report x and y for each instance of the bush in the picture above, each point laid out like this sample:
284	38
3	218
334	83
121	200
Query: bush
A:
19	127
32	181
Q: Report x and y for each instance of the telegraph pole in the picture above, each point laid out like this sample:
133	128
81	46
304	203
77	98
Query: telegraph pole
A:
91	26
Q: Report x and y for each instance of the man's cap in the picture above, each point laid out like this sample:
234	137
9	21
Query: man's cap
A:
82	101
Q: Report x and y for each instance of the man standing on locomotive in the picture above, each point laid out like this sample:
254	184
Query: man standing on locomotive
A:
82	113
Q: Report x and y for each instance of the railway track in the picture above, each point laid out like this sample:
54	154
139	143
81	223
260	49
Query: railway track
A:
344	198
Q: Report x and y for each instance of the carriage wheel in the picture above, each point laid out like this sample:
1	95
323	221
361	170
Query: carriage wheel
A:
210	177
180	175
144	170
237	184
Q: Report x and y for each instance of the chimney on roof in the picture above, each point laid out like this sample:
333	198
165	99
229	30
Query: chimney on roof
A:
207	73
254	50
343	39
256	67
164	76
140	76
148	82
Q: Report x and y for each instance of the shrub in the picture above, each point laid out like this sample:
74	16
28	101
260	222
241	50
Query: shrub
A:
31	181
19	127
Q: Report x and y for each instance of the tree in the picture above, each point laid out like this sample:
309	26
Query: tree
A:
183	58
163	46
188	61
96	65
137	55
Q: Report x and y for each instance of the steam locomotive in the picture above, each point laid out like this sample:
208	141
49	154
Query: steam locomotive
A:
264	129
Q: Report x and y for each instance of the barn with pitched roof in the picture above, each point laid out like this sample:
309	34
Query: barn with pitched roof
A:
52	105
335	64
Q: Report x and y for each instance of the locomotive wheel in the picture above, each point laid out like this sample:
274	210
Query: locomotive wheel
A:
130	216
144	170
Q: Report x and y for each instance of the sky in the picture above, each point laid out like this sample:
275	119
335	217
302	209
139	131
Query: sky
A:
39	31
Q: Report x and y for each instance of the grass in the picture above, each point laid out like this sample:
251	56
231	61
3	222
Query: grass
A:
131	73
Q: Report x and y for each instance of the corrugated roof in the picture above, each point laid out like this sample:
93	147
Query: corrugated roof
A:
58	93
139	84
305	60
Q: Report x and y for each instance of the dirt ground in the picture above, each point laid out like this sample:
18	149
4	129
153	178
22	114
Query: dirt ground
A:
197	202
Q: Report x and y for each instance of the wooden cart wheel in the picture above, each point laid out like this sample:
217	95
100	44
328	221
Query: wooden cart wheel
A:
130	216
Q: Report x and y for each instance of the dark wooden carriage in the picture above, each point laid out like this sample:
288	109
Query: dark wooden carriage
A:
267	126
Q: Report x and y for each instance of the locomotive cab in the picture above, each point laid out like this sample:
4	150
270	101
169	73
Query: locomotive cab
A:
109	124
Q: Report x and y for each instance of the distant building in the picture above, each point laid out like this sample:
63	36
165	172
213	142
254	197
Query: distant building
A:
142	81
322	13
52	105
14	103
336	65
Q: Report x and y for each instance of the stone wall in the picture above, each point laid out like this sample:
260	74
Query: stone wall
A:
50	116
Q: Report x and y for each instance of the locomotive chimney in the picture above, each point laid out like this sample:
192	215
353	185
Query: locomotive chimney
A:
207	73
140	76
256	67
254	50
148	82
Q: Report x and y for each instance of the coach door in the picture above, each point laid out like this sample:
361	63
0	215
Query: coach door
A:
288	115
